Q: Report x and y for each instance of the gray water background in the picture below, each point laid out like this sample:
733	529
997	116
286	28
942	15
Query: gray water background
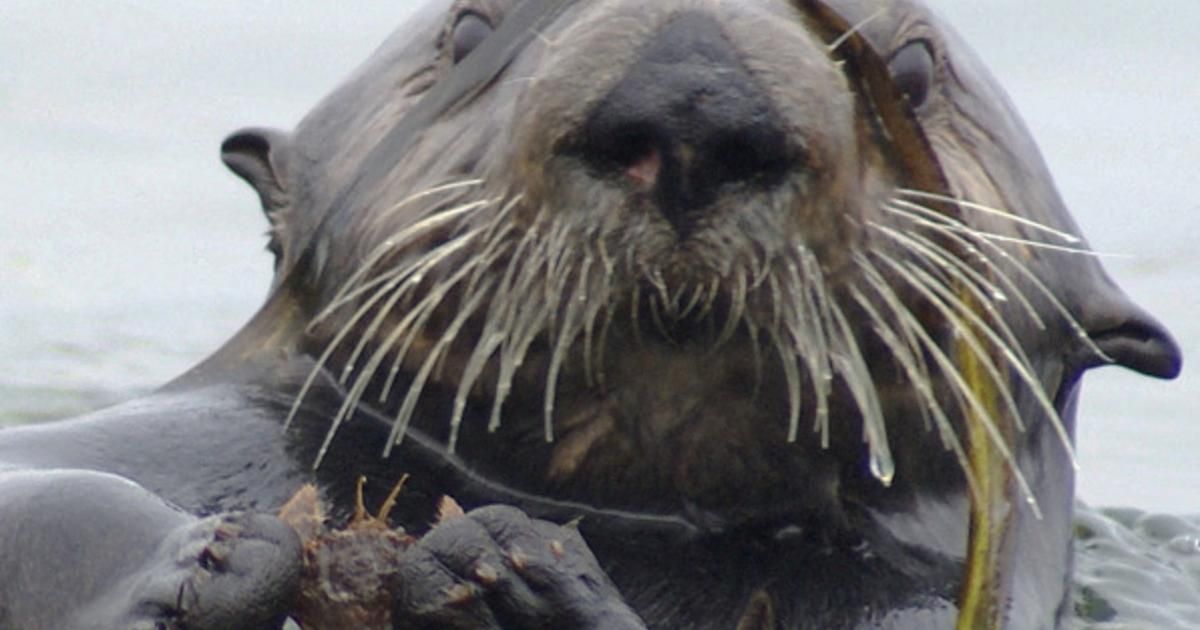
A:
127	252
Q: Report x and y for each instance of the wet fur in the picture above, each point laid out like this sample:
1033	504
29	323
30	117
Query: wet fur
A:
766	419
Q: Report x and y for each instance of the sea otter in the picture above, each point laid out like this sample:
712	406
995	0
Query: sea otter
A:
754	314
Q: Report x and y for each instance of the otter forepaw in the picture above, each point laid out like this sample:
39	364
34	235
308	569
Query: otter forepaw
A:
231	571
497	568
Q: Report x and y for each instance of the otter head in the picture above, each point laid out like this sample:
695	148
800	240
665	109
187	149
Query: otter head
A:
724	260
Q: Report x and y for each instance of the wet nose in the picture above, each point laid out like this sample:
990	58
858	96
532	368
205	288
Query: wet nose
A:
687	120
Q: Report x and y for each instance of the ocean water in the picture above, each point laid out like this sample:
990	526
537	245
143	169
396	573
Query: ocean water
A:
127	252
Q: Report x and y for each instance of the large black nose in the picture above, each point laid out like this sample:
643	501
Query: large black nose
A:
686	120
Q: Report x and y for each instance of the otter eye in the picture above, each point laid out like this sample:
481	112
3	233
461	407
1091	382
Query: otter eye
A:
912	70
469	32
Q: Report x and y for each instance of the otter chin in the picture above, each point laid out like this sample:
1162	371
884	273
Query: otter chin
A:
774	300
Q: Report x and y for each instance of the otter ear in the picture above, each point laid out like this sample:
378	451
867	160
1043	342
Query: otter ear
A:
260	157
1131	337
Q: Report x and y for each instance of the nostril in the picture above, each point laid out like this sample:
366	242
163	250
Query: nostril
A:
644	170
615	150
746	158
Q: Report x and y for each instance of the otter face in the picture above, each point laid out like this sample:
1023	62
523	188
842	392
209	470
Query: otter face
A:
697	256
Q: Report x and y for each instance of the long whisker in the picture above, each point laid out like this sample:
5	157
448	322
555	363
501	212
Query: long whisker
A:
952	228
523	319
791	373
950	306
910	326
965	277
972	249
1016	360
568	331
400	424
858	378
956	225
909	360
965	392
349	289
990	292
837	43
492	336
330	348
801	321
414	277
1066	237
392	288
493	248
1013	354
413	321
816	302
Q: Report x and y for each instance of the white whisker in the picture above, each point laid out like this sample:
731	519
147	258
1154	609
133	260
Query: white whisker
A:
416	275
1066	237
1025	272
967	394
950	306
567	333
971	249
392	244
962	274
918	377
959	226
416	388
912	327
816	303
791	373
837	43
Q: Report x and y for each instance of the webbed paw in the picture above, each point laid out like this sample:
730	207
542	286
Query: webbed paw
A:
497	568
231	571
